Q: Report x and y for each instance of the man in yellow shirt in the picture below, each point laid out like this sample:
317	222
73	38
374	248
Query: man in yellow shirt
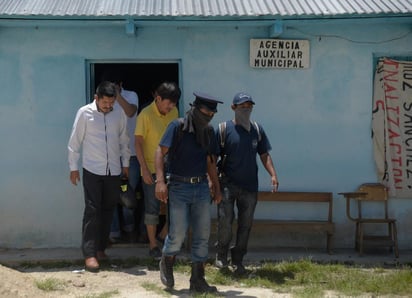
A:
151	123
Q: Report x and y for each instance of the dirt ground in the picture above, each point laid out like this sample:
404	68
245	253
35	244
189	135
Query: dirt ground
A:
136	281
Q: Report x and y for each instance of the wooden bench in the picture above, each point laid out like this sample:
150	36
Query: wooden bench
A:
325	225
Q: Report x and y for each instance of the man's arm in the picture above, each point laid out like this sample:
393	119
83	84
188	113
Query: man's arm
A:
124	146
146	174
161	186
213	177
74	147
270	168
128	108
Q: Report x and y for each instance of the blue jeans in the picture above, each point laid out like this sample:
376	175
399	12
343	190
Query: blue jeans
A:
151	204
246	203
188	206
127	214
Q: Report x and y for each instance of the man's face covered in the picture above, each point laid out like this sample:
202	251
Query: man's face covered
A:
200	117
242	115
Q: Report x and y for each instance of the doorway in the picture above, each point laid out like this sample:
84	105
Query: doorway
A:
141	77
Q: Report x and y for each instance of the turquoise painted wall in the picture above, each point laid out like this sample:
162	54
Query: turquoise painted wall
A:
318	119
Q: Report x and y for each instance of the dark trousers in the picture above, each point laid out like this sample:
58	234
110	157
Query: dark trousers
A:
245	202
101	194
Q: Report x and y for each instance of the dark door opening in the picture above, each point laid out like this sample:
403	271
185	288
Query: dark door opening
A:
142	78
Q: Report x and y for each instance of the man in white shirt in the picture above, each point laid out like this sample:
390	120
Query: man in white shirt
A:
99	135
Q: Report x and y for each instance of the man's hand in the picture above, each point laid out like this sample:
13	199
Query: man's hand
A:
147	176
275	183
74	177
125	172
161	191
217	198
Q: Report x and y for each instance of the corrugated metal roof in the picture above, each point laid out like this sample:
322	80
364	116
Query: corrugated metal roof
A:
202	8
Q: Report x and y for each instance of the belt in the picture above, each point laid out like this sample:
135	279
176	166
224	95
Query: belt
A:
191	180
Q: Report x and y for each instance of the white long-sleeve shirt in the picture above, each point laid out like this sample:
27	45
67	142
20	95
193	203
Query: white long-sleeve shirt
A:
101	139
132	98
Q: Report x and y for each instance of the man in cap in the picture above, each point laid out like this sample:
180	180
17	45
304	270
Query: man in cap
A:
191	149
240	141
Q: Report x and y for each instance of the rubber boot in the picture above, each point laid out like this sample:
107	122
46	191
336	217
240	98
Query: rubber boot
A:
197	280
166	271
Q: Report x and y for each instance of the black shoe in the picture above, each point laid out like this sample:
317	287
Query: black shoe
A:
155	253
237	260
239	269
221	261
166	271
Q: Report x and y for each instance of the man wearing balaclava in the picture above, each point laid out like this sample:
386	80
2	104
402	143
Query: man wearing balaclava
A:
241	140
191	150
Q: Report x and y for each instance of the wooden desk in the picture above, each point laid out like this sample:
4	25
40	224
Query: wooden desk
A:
371	192
352	195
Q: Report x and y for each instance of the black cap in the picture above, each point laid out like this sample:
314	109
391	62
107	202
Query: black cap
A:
208	101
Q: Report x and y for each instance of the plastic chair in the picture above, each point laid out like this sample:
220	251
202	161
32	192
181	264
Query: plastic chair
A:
367	194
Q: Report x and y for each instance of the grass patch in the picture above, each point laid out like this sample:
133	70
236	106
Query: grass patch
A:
305	278
50	284
152	287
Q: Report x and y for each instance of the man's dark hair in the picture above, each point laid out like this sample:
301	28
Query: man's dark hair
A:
106	88
168	90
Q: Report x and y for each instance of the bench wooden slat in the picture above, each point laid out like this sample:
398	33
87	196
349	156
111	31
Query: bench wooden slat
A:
300	225
295	196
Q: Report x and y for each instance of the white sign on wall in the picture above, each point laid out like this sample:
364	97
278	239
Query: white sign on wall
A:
279	53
